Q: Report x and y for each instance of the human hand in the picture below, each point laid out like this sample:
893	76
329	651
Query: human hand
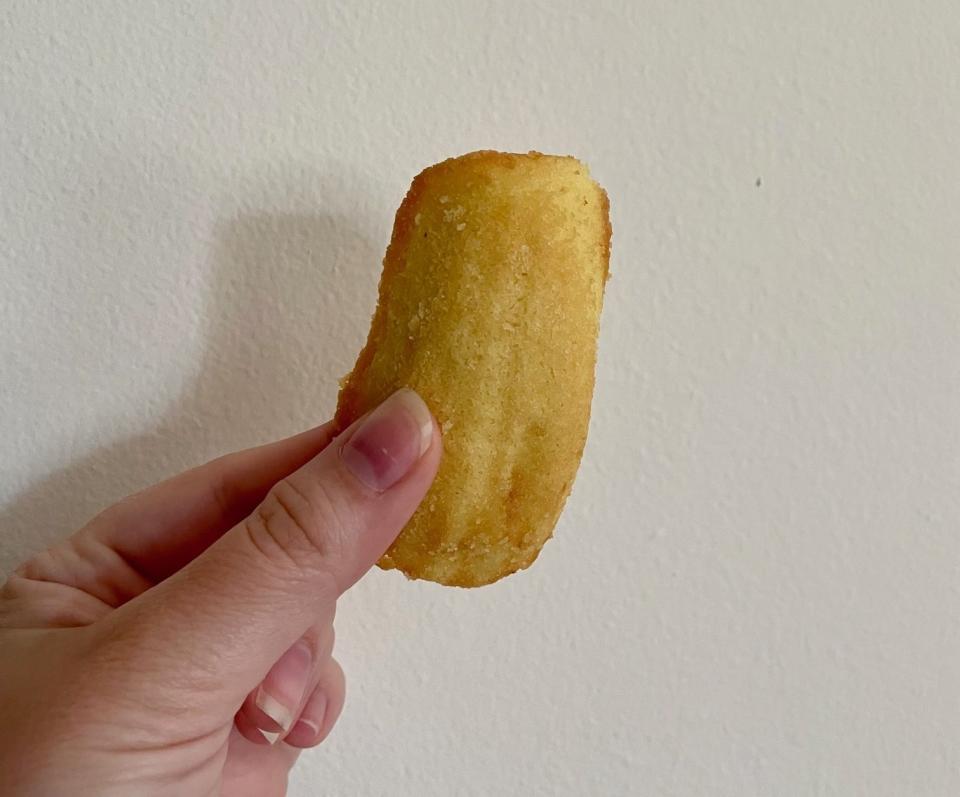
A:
166	647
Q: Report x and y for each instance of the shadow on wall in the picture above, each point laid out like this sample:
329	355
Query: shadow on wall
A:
269	369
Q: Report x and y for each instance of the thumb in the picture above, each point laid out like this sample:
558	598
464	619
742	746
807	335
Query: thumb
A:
226	617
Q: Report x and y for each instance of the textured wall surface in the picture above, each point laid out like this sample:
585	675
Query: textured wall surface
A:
755	589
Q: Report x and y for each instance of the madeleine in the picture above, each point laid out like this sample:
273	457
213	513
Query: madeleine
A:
489	308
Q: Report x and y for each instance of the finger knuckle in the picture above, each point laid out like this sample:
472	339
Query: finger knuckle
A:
300	524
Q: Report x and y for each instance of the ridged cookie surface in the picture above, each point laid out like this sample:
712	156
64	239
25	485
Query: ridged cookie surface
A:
489	307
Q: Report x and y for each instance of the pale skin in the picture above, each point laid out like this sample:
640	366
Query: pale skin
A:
181	643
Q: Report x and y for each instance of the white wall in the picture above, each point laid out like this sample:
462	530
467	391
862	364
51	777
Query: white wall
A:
755	589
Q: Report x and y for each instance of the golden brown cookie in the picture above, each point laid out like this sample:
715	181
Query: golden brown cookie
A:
489	308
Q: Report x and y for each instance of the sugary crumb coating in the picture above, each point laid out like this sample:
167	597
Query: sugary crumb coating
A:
489	307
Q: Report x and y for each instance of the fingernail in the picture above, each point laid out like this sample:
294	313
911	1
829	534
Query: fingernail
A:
305	729
282	691
389	441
